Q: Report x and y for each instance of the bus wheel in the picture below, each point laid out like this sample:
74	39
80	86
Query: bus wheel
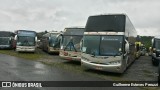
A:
154	63
47	49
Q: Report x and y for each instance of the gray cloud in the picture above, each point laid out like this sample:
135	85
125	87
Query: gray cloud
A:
43	15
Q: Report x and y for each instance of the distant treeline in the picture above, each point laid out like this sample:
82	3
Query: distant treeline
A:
146	40
40	34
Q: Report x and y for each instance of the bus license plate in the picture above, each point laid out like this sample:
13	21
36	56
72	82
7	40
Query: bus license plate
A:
69	58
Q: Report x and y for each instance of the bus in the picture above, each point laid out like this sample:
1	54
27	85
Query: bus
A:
109	43
155	53
51	42
6	39
155	50
25	41
70	44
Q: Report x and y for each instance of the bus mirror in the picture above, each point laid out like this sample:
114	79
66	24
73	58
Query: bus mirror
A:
127	47
61	47
84	49
36	39
15	38
81	44
154	49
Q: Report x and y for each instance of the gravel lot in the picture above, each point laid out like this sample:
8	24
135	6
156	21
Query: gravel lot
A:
140	70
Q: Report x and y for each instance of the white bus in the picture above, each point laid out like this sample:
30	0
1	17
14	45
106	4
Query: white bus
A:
51	42
155	53
25	41
70	44
155	50
109	43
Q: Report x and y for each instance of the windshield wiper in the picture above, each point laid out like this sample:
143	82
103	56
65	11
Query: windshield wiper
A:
26	42
70	45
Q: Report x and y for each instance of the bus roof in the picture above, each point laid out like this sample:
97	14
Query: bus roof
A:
73	31
6	34
25	33
103	23
158	37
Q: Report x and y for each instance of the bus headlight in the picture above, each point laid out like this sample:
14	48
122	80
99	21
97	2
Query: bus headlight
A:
53	44
65	53
114	62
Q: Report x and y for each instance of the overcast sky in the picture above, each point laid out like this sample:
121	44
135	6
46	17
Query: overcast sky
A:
40	15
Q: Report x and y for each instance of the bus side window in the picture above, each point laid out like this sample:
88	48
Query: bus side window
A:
127	45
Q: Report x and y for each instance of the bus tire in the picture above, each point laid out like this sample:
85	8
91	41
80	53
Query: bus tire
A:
154	63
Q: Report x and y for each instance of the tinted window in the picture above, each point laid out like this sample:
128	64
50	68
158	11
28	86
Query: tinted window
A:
72	43
110	45
91	45
25	41
106	23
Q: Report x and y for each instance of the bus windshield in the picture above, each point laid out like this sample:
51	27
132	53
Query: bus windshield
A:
111	45
157	44
54	34
102	45
54	41
72	43
91	45
25	41
4	40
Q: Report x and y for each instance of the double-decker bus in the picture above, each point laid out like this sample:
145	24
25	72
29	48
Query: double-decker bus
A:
25	41
109	43
70	44
51	42
155	53
6	39
155	50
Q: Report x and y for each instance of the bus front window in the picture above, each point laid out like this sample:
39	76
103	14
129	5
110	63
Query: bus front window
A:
25	41
91	44
54	40
4	40
111	45
102	45
72	43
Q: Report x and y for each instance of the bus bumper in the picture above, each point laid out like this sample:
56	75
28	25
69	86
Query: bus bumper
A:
25	49
5	46
53	50
109	68
73	56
